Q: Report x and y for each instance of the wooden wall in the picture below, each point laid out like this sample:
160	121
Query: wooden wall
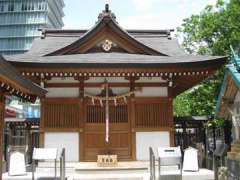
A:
140	114
61	113
117	114
152	112
58	113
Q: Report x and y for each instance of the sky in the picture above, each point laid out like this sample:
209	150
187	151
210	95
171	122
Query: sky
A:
133	14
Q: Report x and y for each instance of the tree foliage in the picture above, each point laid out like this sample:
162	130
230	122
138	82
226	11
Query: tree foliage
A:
209	33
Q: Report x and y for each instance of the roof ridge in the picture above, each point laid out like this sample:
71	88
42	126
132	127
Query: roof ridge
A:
132	31
107	20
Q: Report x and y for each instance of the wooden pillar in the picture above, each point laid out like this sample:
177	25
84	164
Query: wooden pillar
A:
28	141
43	81
185	143
132	118
81	119
2	111
170	113
42	126
10	134
171	122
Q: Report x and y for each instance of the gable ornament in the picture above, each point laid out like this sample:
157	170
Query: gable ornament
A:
107	45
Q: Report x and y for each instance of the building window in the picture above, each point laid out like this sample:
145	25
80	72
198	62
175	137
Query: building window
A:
11	7
42	6
1	8
27	7
32	6
24	7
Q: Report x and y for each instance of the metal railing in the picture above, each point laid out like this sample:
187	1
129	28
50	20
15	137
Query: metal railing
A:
152	164
36	158
62	165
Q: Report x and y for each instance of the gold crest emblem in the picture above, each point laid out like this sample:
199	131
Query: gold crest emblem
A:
107	45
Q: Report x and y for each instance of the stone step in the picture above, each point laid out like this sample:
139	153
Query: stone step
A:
121	166
109	178
136	176
122	172
90	171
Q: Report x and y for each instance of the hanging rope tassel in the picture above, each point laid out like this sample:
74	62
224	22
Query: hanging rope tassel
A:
125	99
101	103
107	114
115	102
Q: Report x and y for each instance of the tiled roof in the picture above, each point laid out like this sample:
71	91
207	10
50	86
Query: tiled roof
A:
60	48
159	40
114	59
9	73
233	70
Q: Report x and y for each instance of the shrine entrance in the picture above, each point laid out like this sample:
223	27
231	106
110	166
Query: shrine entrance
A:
120	138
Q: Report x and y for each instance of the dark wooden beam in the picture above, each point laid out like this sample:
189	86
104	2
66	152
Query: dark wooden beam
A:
95	85
131	111
81	117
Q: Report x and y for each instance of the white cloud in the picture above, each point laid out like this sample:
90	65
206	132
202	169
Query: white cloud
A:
150	21
170	17
149	14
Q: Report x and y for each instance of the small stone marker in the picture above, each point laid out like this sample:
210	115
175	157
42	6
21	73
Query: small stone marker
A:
107	160
17	166
190	162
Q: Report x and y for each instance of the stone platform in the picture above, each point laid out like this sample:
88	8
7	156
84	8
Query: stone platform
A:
137	170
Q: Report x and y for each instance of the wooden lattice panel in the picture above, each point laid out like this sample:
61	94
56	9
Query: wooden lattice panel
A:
152	113
61	114
117	114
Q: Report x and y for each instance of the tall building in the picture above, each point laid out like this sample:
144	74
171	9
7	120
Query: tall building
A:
20	21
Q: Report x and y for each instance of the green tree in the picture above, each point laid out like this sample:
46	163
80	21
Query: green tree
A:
209	33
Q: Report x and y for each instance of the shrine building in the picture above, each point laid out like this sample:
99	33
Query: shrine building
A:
13	84
110	90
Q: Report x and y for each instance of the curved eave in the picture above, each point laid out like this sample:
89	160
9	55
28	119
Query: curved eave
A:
218	62
235	75
14	83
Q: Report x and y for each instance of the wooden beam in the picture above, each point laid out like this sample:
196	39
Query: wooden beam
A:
116	72
132	121
81	119
151	129
95	85
42	124
171	122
